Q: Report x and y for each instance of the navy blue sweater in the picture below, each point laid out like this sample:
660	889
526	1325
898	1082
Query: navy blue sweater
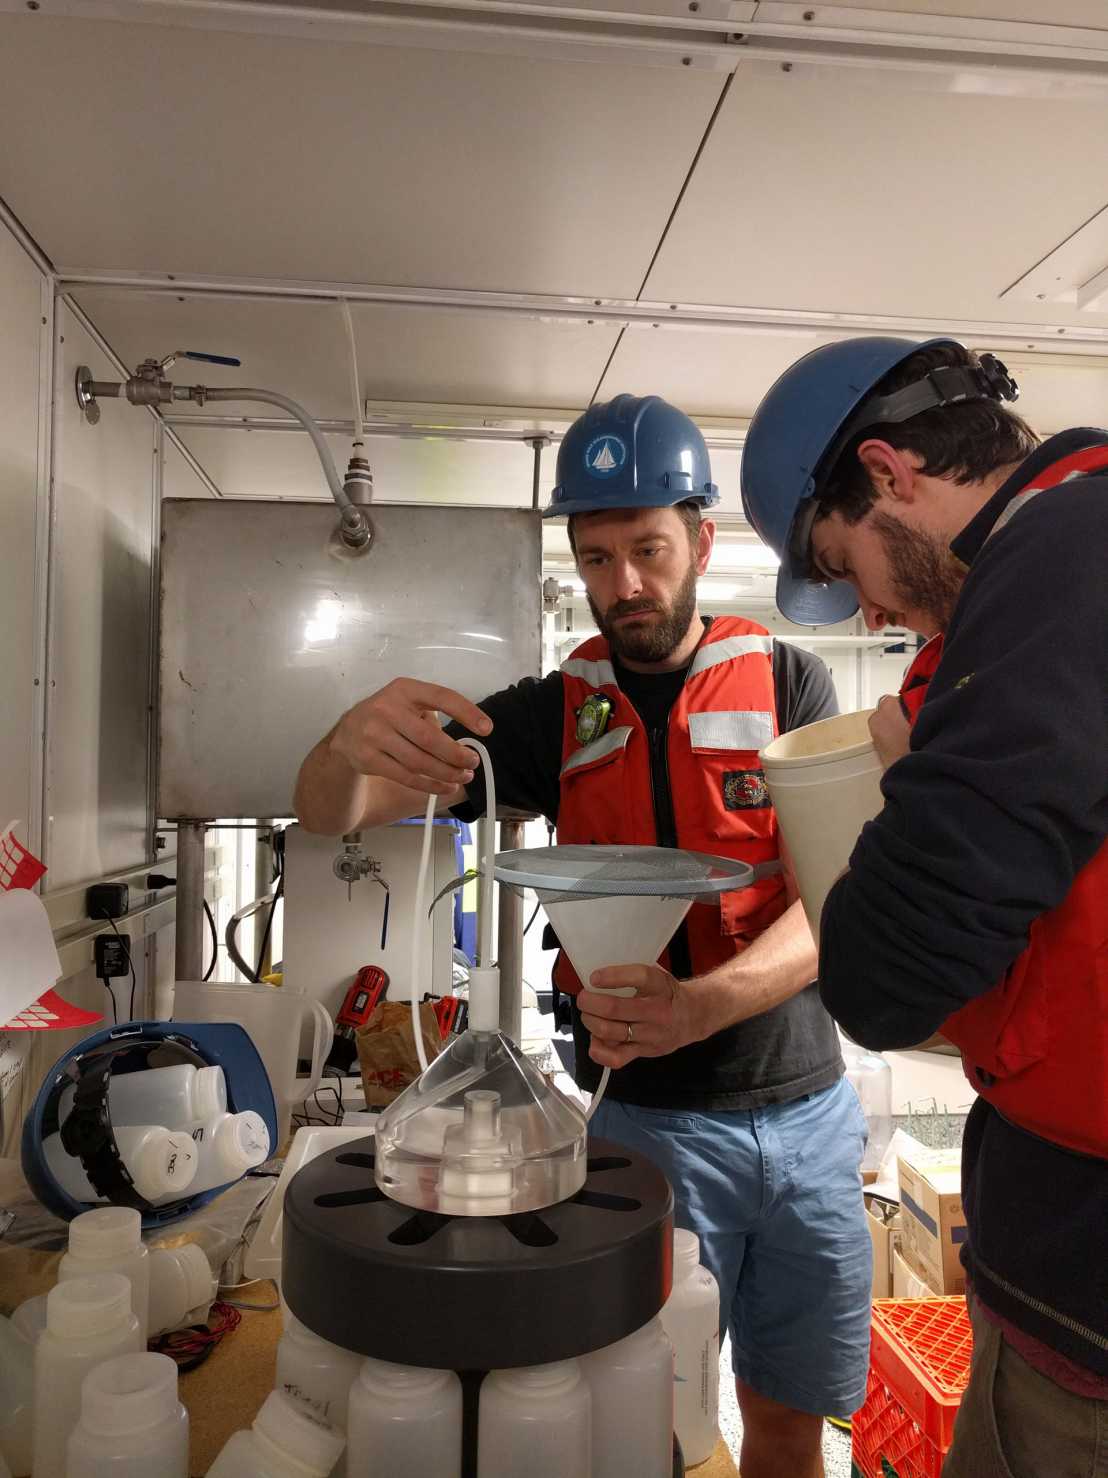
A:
1001	801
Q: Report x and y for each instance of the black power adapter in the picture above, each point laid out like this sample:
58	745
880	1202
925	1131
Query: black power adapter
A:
107	900
112	955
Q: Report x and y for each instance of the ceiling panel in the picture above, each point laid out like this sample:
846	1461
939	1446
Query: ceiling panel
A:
404	354
1060	13
156	149
725	375
839	190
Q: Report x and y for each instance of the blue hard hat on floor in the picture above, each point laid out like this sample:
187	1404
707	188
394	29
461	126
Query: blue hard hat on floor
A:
631	452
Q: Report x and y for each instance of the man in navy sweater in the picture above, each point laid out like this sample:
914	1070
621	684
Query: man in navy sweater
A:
890	475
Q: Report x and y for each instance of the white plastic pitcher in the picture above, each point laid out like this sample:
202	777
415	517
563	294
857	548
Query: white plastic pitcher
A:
825	784
273	1015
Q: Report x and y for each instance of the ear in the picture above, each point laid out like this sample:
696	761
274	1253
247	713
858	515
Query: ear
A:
705	541
892	472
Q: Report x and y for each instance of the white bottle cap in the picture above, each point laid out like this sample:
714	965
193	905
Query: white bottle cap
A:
83	1306
105	1232
165	1164
210	1090
686	1254
181	1284
201	1284
129	1393
241	1141
312	1444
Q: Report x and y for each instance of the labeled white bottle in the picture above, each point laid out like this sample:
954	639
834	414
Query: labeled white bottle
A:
316	1373
182	1287
690	1316
284	1442
132	1425
88	1320
631	1385
17	1411
161	1162
109	1240
178	1096
227	1146
536	1420
405	1422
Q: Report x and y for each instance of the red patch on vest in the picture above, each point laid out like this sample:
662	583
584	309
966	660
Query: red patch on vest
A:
745	790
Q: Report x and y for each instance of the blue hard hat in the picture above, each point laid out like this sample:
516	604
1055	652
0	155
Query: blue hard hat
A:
798	430
631	452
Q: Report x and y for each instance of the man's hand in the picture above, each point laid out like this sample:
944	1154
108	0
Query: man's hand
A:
660	1014
395	734
890	731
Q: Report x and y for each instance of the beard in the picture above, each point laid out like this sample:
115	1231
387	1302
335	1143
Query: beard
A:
654	640
925	575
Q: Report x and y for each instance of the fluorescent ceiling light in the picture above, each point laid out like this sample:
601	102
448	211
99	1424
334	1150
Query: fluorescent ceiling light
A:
735	558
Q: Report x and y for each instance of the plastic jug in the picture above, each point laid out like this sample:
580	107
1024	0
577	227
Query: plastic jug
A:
690	1316
109	1240
177	1095
283	1442
405	1422
132	1424
182	1287
631	1383
88	1320
825	784
16	1398
162	1162
274	1017
535	1420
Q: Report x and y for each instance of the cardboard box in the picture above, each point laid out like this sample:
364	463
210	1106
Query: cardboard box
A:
933	1226
883	1221
906	1281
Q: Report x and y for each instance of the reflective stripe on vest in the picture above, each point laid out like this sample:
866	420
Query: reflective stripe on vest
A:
726	650
599	749
596	674
742	730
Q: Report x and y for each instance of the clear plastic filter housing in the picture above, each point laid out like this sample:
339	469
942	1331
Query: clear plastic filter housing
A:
481	1133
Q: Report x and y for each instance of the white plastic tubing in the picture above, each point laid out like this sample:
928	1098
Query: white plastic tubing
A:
484	943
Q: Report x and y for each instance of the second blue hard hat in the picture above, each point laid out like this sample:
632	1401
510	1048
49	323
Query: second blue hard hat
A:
631	452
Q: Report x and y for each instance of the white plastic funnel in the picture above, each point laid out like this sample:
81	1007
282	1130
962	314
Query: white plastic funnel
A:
595	932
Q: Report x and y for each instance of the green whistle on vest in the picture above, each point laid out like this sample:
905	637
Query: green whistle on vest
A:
592	717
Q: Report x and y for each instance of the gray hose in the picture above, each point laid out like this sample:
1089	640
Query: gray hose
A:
354	522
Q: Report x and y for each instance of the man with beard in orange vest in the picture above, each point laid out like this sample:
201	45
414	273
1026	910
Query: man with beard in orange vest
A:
726	1070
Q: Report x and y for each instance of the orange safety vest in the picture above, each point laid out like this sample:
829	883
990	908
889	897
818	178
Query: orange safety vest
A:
724	714
1036	1045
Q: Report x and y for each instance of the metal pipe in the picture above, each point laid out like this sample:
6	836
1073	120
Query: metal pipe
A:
509	942
536	444
263	879
355	524
189	961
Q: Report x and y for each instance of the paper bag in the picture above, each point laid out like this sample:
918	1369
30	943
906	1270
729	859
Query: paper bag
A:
387	1050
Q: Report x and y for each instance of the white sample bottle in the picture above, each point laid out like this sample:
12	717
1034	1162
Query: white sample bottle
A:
30	1317
536	1420
178	1096
17	1409
109	1240
631	1384
132	1424
161	1162
88	1320
227	1146
284	1442
182	1287
690	1316
315	1372
404	1421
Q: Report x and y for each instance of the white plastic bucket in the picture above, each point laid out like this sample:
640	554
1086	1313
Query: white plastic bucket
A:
273	1015
825	784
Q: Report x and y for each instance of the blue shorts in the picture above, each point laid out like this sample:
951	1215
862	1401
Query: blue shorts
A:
775	1196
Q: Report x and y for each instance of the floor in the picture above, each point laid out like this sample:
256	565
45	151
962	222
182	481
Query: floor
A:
836	1444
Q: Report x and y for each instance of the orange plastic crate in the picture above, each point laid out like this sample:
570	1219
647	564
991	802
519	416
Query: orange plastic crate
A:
919	1366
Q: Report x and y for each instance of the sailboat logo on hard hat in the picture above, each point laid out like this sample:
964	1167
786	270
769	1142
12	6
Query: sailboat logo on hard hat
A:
605	456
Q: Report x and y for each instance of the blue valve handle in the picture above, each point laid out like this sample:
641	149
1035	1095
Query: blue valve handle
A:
210	358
